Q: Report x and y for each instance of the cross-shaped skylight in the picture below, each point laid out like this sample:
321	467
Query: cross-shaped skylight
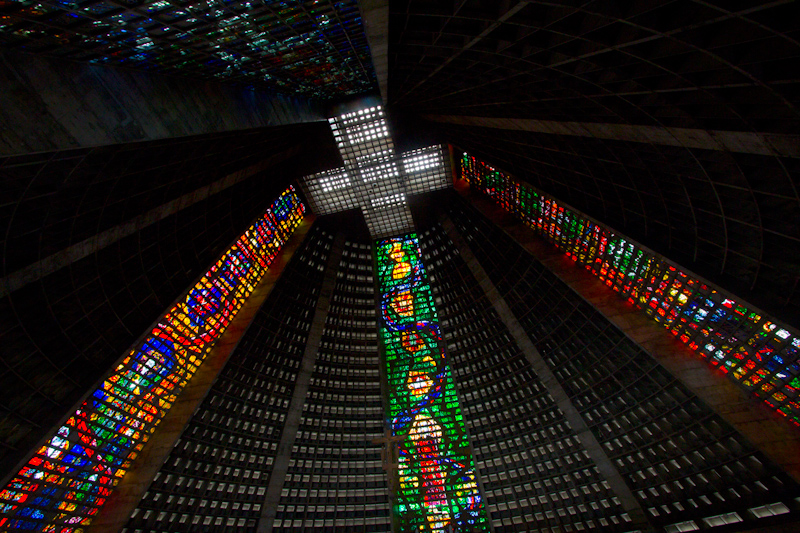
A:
374	177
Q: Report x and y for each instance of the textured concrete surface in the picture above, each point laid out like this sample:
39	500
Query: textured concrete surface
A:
375	14
113	516
52	104
87	247
731	141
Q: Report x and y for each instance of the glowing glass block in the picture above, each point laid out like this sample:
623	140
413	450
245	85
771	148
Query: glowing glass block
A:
437	487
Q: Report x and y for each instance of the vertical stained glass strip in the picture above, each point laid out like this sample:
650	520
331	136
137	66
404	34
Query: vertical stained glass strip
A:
754	350
67	481
437	489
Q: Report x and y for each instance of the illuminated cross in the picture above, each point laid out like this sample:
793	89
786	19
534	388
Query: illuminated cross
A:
374	178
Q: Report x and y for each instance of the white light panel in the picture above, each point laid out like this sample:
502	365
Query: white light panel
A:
330	191
383	201
374	177
425	170
380	172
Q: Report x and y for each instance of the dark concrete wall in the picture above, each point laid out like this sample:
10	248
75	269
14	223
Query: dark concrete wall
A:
104	268
51	104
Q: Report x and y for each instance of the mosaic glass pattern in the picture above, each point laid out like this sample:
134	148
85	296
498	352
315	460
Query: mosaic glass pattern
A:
316	48
437	488
69	478
754	350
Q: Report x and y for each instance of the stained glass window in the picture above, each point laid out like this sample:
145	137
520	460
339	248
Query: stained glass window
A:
317	49
437	487
755	350
68	479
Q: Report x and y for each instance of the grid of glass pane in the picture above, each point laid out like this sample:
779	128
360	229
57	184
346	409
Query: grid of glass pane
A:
374	177
368	152
754	350
330	191
68	479
388	219
437	488
317	49
361	134
426	169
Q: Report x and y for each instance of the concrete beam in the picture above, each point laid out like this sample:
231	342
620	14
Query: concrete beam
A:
375	15
770	144
292	423
53	104
127	495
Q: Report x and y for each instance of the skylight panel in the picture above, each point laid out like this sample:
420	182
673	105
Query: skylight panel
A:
338	180
388	200
379	172
418	163
374	177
